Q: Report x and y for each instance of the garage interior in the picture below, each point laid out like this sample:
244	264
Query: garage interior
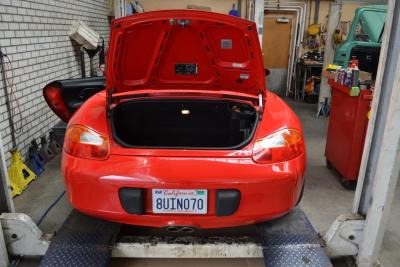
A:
357	221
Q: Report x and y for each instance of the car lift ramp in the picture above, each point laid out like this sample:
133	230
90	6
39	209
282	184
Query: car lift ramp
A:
292	241
86	241
81	241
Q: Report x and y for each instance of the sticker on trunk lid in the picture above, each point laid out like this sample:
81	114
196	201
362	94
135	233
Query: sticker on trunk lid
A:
244	76
226	43
238	65
186	69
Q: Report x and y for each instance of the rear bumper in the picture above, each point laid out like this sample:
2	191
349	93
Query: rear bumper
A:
266	191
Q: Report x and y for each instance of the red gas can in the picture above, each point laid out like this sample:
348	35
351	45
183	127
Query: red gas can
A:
348	123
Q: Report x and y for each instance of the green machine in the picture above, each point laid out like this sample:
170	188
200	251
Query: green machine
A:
364	38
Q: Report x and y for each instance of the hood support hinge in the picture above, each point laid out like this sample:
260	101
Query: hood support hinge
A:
109	102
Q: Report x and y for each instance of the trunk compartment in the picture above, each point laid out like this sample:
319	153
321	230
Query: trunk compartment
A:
180	123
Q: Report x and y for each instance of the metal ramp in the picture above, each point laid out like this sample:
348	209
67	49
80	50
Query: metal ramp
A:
81	241
287	241
292	241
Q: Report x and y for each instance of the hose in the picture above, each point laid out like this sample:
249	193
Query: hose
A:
49	208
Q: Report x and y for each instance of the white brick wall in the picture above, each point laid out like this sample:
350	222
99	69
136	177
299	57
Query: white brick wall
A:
34	34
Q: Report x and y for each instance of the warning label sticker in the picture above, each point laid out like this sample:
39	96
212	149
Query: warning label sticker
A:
226	43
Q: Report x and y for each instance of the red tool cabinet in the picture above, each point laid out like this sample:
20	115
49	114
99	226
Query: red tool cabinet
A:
348	123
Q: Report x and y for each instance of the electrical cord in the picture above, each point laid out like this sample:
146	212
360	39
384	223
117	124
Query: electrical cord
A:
49	208
14	101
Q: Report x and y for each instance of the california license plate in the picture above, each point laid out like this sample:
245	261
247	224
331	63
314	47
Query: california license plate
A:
180	201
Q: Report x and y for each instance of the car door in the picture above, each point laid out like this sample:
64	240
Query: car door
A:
68	95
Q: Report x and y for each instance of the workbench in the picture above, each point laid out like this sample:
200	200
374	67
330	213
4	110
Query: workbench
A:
305	67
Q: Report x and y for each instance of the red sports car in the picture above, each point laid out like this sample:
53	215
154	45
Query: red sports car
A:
184	134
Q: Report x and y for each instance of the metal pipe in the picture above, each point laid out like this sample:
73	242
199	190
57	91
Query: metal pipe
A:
329	54
300	18
301	15
300	7
292	58
82	59
316	11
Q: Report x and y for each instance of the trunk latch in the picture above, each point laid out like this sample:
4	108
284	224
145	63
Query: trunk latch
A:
181	22
109	102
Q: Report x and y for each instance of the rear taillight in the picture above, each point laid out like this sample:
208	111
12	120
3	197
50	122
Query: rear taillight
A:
283	145
53	97
83	142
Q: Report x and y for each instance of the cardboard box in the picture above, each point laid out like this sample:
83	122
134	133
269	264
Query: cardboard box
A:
365	76
84	35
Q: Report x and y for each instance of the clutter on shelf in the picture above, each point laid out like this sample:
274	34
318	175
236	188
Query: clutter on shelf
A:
350	76
314	55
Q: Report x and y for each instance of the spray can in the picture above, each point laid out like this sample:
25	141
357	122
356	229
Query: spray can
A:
339	76
355	77
348	77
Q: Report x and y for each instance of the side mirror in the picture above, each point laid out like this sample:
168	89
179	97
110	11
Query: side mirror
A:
267	72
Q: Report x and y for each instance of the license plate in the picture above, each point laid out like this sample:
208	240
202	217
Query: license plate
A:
180	201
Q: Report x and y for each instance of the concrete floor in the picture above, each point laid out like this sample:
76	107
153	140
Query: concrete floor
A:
324	199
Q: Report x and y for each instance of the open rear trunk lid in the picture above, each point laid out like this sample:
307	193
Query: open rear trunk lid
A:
189	49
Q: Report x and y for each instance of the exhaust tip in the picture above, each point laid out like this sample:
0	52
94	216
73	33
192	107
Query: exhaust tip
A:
180	229
187	229
173	229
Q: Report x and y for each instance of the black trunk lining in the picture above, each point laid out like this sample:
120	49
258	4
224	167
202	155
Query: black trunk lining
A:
161	124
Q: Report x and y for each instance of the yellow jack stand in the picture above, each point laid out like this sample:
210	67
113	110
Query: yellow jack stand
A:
15	189
19	174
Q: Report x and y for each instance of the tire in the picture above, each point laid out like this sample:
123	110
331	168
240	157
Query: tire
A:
301	194
329	164
347	184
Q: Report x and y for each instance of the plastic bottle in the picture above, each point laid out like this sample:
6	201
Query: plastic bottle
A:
353	63
348	79
355	77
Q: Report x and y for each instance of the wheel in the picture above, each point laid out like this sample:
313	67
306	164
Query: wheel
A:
329	164
349	185
301	194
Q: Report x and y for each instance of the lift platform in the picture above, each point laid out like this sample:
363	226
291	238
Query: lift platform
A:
81	241
86	241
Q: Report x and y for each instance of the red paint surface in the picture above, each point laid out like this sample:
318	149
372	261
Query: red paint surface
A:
347	128
267	190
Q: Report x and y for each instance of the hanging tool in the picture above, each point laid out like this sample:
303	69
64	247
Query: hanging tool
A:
19	174
89	41
8	102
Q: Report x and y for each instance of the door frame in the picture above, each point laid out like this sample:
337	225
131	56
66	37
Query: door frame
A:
292	45
300	11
